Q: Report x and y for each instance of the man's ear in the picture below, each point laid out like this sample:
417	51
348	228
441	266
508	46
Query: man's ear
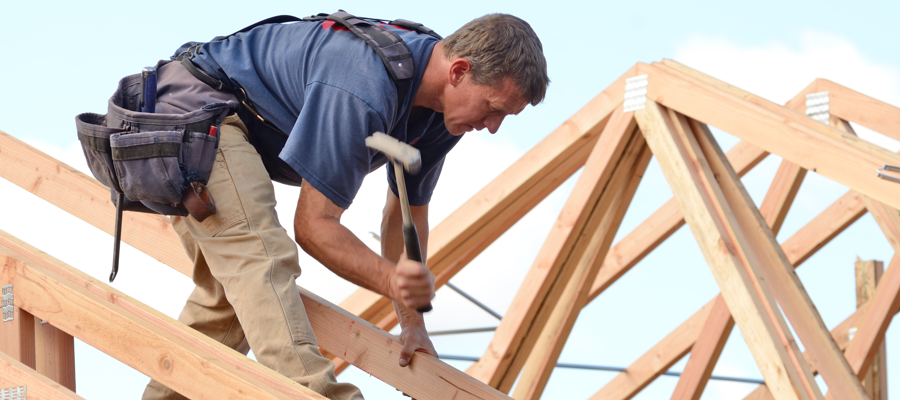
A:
459	67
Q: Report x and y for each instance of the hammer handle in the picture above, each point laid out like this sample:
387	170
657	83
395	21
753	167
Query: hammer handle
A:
414	251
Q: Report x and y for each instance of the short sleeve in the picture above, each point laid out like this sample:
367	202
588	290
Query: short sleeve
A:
433	146
327	143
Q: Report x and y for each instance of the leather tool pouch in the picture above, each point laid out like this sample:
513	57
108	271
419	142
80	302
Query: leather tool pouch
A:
161	162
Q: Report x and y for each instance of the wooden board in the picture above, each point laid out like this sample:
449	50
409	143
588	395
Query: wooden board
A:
727	252
802	140
148	341
868	275
14	374
522	323
54	354
588	258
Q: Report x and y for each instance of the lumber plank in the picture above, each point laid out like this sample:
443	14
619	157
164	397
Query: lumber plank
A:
102	317
660	225
868	276
372	349
465	233
540	364
657	360
729	256
54	354
521	321
797	138
799	247
164	245
14	374
705	352
778	274
851	105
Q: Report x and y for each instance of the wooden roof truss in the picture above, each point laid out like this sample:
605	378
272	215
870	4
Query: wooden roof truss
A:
576	263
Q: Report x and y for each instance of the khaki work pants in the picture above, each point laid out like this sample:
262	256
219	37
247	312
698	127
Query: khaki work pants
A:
245	267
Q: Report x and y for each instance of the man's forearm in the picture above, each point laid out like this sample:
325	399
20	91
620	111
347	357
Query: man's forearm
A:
335	246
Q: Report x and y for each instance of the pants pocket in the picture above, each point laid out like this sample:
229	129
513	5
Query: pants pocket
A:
147	165
94	138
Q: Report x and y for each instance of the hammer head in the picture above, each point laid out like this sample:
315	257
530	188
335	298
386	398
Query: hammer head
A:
396	151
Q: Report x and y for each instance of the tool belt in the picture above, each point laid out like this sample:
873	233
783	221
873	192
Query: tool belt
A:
161	162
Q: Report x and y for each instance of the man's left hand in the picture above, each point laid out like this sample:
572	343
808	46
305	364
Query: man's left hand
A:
414	339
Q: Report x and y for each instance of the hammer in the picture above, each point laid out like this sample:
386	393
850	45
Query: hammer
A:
401	153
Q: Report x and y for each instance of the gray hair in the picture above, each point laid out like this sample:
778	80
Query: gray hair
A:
501	46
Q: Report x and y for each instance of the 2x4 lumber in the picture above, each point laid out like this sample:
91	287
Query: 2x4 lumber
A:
657	360
841	335
24	165
727	252
780	276
660	225
851	105
146	340
465	233
17	336
795	137
540	364
14	374
522	321
799	247
54	354
706	352
868	276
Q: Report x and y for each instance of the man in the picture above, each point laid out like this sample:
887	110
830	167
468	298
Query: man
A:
328	90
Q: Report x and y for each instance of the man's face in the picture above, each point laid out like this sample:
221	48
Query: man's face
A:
472	106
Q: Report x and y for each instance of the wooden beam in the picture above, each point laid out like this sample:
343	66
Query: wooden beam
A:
659	226
779	275
54	354
540	364
102	317
797	138
730	257
851	105
705	352
534	301
868	275
799	247
14	374
27	164
465	233
841	335
656	360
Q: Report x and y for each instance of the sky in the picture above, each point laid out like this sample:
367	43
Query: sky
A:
63	58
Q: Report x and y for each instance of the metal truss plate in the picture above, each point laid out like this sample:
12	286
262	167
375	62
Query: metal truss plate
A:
14	393
8	308
817	106
636	93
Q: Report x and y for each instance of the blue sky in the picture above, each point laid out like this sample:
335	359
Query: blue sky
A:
63	58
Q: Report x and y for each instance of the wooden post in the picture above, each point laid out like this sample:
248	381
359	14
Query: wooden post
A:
868	275
54	354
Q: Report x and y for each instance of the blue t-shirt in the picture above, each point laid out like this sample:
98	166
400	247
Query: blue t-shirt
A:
329	90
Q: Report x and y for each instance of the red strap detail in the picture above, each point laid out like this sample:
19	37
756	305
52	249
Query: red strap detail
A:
331	24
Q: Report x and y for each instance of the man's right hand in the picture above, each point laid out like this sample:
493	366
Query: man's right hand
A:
412	284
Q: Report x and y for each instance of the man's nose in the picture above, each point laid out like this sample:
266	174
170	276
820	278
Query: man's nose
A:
492	123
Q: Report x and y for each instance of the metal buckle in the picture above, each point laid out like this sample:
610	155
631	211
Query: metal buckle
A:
886	177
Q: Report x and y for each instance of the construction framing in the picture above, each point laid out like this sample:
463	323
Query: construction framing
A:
576	263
